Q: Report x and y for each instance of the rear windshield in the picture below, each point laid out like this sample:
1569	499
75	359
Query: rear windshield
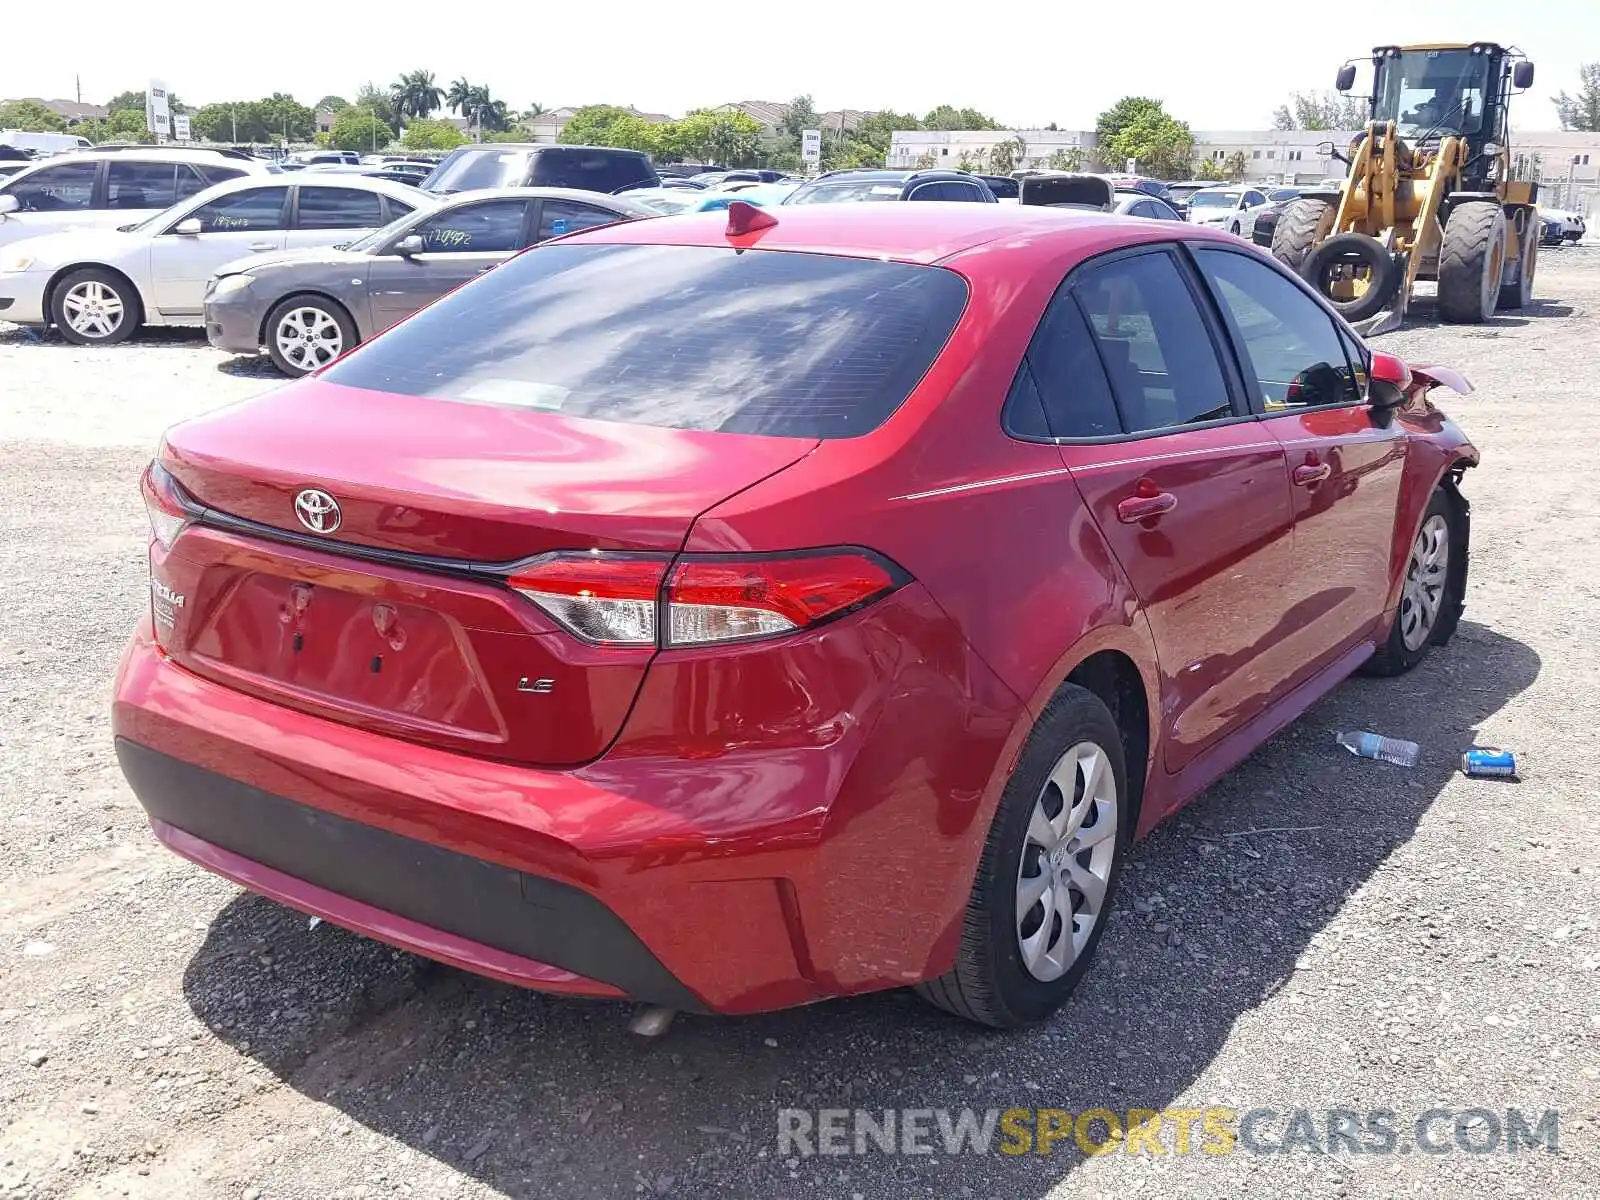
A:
687	337
848	190
590	170
1214	200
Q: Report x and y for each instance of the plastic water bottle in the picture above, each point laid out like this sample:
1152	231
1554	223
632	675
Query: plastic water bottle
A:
1371	745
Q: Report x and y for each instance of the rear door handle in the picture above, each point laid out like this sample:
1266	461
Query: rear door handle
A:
1144	506
263	246
1312	474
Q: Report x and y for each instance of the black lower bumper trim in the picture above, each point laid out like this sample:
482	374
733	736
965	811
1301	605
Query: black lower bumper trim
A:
529	915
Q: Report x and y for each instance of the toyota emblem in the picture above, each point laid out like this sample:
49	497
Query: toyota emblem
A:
318	511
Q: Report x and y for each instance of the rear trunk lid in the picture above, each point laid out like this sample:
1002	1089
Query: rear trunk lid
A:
394	616
1068	191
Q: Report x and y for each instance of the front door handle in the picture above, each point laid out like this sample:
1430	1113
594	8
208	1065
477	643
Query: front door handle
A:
1311	474
258	246
1147	502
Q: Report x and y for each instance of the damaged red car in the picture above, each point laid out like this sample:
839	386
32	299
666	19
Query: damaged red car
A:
734	611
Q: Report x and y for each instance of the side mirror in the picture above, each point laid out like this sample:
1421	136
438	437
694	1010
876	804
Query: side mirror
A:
410	245
8	204
1346	78
1522	75
1387	381
189	227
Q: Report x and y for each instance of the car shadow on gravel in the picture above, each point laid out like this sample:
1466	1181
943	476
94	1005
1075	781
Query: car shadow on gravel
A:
538	1096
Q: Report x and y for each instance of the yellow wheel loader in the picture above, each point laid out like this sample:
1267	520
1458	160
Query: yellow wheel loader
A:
1429	193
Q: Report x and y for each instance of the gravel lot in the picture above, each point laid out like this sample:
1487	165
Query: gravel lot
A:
1395	939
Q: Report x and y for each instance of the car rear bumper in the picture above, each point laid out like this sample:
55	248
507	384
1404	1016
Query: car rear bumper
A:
22	297
744	881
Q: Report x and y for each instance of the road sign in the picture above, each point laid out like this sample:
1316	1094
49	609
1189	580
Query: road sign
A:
180	127
157	113
811	147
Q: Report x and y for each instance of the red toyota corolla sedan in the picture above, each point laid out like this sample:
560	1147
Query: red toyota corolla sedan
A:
734	611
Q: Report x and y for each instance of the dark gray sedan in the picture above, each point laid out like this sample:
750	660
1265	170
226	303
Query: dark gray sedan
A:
306	308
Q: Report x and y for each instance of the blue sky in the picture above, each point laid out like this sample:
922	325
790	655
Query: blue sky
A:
1219	64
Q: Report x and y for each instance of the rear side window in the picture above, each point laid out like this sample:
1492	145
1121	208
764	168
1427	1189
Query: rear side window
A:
1154	343
589	170
339	208
1292	347
686	337
132	184
1066	373
217	174
557	217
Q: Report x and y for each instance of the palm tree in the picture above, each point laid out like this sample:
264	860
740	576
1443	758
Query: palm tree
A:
533	110
416	94
459	96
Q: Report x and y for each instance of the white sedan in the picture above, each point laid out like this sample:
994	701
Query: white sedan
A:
99	286
1232	208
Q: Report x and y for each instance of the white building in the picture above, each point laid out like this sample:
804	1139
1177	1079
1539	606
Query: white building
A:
946	148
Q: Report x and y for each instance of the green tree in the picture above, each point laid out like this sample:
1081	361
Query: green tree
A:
30	116
533	110
458	96
609	125
733	139
1320	110
134	100
376	100
1140	128
1005	157
492	115
948	117
416	94
1066	158
285	119
426	134
1228	170
330	103
1582	112
360	129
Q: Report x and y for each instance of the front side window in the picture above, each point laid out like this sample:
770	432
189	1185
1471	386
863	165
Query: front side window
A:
339	208
563	216
1292	345
1154	343
493	227
243	212
66	188
685	337
142	184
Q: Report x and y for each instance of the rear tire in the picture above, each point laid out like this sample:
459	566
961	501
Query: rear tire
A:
1471	261
1424	617
1520	294
96	307
1301	226
1021	954
306	331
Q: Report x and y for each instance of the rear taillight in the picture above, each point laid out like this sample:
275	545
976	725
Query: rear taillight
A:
631	600
164	502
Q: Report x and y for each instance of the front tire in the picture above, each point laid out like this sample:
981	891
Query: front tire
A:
304	332
1434	589
1519	295
1049	870
95	307
1471	261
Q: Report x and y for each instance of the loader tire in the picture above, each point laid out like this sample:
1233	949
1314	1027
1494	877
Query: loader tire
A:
1520	294
1347	250
1471	261
1303	224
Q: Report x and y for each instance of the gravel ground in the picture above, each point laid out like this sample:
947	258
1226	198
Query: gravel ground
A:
1394	939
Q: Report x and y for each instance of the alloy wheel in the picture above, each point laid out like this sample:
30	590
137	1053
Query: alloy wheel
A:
92	309
308	338
1065	872
1427	575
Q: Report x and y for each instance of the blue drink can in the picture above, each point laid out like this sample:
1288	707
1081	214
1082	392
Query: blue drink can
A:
1490	762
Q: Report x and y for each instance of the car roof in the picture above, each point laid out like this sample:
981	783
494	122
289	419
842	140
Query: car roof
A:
359	183
548	146
913	233
1230	187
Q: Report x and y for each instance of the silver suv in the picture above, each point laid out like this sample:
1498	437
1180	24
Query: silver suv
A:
102	189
